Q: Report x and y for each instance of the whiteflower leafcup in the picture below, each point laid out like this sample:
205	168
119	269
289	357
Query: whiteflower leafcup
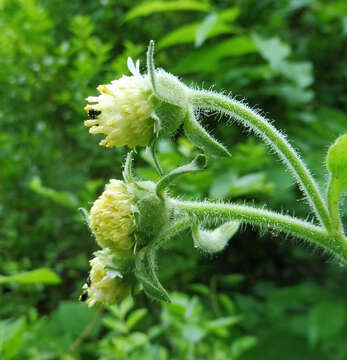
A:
131	220
122	111
111	219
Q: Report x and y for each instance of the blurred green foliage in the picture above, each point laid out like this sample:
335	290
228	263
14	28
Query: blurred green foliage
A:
262	298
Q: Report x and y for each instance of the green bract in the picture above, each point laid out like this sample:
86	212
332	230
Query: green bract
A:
214	241
337	159
337	165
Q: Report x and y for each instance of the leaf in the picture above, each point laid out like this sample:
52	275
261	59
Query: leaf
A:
38	276
223	322
273	50
206	58
241	345
148	8
326	320
231	280
186	34
192	333
301	73
230	14
125	306
11	334
61	197
249	184
214	241
135	317
205	28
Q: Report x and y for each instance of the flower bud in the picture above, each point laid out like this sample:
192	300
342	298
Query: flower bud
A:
107	285
122	111
111	219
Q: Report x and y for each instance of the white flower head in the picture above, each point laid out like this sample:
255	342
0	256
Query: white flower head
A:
107	285
111	218
122	111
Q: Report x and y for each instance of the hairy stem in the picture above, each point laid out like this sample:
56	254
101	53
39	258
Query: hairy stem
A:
204	211
262	127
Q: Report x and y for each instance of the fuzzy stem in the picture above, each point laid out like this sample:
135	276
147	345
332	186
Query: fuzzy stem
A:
204	211
262	127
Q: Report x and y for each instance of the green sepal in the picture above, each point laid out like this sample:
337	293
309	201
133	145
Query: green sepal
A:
152	153
198	164
169	99
201	138
337	165
149	211
152	215
146	275
170	115
128	168
337	160
85	214
213	241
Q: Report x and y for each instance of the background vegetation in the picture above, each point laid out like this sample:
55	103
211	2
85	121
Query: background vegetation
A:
264	297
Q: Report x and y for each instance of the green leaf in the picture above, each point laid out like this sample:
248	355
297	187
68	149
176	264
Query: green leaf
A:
125	306
241	345
223	322
187	34
326	320
250	184
192	333
273	50
38	276
201	138
230	14
61	197
206	58
135	317
214	241
11	334
301	73
151	7
205	28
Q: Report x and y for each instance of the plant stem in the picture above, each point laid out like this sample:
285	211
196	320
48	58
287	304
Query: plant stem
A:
262	127
207	211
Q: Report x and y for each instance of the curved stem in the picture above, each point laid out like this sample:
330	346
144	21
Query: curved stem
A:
204	211
262	127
